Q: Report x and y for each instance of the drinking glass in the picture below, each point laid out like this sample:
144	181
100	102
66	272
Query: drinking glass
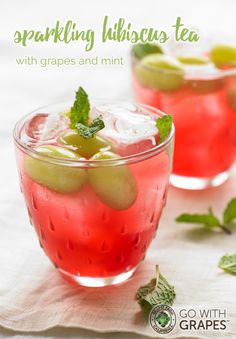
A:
203	106
98	234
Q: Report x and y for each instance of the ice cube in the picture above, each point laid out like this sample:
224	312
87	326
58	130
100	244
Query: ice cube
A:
53	126
34	126
125	123
198	70
44	127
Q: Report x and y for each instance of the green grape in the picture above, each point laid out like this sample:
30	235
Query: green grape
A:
160	71
85	147
223	55
114	185
193	60
231	96
54	176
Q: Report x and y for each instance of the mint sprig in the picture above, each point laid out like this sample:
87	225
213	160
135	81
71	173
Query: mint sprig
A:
228	263
210	220
79	112
157	291
79	116
164	125
230	212
89	131
141	50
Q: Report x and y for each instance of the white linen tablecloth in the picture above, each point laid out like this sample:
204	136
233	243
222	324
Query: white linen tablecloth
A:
33	297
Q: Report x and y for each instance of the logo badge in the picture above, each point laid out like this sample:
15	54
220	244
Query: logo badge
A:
162	319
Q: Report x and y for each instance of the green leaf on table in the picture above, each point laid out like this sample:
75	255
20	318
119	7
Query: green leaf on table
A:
141	50
157	291
164	125
228	263
79	112
208	220
230	212
89	131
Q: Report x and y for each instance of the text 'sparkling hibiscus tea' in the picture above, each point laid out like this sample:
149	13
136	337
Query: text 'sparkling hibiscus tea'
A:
95	182
200	93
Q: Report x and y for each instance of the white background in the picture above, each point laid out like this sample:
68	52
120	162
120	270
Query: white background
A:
22	89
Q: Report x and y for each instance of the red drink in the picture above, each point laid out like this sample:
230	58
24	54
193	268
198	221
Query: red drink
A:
202	102
95	232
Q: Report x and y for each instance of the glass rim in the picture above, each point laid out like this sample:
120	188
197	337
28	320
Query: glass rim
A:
204	74
133	158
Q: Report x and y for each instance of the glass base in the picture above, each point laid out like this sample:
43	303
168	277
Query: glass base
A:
193	183
98	281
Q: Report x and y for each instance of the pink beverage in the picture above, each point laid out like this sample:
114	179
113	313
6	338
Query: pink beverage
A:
202	100
94	214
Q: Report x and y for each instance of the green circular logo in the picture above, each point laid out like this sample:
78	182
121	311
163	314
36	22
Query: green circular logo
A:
162	319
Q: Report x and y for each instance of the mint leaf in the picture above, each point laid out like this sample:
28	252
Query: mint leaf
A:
89	131
157	291
141	50
79	116
164	125
228	263
79	112
230	212
208	220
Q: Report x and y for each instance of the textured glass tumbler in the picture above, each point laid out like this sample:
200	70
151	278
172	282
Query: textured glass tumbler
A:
89	242
203	106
